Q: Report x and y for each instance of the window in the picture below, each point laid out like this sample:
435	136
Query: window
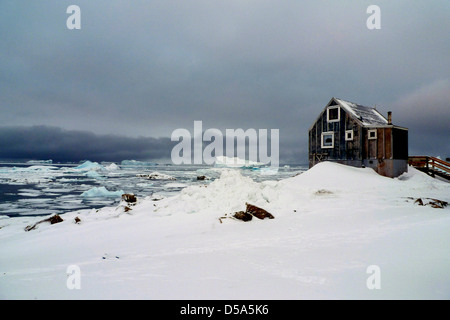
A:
372	134
349	135
333	114
327	140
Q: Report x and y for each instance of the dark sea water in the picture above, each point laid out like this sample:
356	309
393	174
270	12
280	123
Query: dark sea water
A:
42	188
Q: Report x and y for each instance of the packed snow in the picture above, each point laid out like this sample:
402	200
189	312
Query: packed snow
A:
332	224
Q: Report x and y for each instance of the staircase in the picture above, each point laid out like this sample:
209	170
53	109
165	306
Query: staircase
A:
431	166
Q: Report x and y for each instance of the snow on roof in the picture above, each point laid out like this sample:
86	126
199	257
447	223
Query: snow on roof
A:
369	116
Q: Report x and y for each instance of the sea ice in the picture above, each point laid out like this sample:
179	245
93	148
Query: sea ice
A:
93	174
101	192
89	165
112	167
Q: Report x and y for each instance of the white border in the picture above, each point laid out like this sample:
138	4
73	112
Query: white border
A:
351	137
369	132
339	113
332	140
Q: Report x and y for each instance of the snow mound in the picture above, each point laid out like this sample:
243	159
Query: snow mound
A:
227	194
101	192
338	176
346	186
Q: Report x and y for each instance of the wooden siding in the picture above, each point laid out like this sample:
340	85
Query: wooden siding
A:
385	154
388	143
342	149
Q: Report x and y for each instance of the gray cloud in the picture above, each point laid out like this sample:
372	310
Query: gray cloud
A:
145	68
42	143
426	111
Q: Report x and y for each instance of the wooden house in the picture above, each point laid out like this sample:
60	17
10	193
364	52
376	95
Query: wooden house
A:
360	136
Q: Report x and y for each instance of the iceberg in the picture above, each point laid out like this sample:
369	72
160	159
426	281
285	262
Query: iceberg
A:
235	162
101	192
112	167
94	175
89	165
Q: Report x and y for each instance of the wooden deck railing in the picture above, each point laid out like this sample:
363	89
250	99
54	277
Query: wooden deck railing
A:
431	165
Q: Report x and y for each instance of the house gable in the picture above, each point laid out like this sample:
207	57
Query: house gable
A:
357	135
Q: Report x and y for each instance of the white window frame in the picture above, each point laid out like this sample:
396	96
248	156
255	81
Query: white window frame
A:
372	131
332	140
328	114
347	138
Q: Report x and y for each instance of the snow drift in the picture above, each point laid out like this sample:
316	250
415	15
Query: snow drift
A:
331	224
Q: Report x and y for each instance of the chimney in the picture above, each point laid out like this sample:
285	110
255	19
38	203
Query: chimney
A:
389	117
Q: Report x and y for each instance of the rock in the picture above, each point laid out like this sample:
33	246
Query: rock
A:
201	177
439	204
249	213
77	220
129	197
323	192
53	219
434	203
244	216
258	212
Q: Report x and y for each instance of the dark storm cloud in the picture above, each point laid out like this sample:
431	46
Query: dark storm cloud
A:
43	143
145	68
426	112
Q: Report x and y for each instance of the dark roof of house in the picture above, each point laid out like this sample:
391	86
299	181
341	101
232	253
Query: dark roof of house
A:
368	116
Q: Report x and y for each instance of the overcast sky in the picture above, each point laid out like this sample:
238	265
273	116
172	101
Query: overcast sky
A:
138	70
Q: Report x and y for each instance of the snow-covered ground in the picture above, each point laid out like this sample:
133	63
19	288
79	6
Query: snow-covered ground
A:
331	223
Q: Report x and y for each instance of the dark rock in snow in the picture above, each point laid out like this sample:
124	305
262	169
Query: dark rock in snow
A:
129	197
439	204
53	219
434	203
244	216
258	212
